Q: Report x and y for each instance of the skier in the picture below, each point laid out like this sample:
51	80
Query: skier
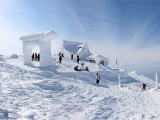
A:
60	58
72	57
144	86
38	57
33	57
97	78
78	59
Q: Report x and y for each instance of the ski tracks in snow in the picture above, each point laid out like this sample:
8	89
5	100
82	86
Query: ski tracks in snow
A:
33	94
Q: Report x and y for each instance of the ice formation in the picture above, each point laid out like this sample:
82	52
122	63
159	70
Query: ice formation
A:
75	48
41	40
82	49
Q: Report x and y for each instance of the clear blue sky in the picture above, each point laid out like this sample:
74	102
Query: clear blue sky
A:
125	29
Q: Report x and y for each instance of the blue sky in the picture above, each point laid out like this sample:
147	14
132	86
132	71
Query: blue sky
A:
123	29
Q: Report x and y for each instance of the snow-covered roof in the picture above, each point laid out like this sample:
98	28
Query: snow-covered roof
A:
49	35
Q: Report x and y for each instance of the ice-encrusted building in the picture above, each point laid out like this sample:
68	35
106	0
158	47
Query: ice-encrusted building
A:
41	40
82	49
75	48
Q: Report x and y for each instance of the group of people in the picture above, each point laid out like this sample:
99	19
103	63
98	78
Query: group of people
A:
61	55
36	57
77	58
76	68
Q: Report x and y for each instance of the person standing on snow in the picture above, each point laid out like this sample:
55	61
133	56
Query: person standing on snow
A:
78	59
60	58
33	57
38	57
72	57
97	78
144	86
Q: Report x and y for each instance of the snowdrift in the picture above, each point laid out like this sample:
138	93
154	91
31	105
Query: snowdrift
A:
48	35
14	56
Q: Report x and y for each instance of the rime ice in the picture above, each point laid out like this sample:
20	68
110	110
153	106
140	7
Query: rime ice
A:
43	41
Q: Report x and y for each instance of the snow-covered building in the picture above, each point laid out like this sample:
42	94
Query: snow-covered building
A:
41	40
82	49
75	48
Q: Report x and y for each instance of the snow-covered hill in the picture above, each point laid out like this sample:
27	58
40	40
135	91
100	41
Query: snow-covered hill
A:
60	93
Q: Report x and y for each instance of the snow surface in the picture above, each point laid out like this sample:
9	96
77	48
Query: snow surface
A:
60	93
2	58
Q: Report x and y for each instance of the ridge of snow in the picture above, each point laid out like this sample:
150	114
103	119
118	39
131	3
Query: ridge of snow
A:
48	35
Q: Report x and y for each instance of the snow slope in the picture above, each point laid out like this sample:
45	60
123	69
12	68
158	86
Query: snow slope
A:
60	93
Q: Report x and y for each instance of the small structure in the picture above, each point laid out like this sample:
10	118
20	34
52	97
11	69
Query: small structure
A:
41	40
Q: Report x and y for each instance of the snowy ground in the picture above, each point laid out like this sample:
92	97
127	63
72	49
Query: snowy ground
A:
63	94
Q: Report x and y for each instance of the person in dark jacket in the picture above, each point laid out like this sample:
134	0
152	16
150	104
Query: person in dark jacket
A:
87	69
144	86
60	58
38	57
78	59
97	78
33	57
72	57
76	68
